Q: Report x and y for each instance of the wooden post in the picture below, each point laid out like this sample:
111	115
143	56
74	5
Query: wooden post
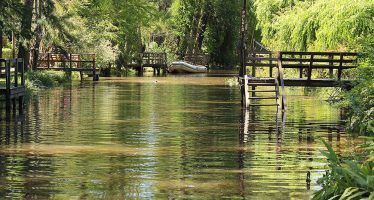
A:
271	64
165	63
20	98
70	62
301	68
243	69
13	45
331	63
310	67
22	72
340	70
246	92
254	73
48	60
16	74
7	83
95	76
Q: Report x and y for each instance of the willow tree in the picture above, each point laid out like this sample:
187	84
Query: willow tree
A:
315	24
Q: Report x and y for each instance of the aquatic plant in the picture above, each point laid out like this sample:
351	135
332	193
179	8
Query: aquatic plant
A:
348	178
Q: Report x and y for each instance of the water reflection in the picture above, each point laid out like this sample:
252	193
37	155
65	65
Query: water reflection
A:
163	138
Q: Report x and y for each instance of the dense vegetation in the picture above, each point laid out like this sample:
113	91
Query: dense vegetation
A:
348	178
117	31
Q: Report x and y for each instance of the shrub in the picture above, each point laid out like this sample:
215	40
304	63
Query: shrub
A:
346	178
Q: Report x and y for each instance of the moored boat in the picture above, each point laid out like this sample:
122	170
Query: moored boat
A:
184	67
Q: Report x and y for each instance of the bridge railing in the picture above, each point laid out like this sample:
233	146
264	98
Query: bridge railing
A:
197	59
304	62
151	58
66	61
12	70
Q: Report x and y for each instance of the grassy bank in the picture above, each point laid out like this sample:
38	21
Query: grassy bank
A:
36	80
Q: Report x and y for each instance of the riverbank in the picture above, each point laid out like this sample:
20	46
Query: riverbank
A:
36	80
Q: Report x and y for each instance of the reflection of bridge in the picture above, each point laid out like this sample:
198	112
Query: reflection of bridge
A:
309	69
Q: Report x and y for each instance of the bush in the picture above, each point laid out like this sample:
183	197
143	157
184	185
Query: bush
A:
46	79
348	179
360	101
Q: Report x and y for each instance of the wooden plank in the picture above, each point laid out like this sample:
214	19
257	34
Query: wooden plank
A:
319	53
316	60
297	66
316	82
270	65
246	93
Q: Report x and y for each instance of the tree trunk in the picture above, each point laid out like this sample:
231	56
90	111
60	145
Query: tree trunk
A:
25	34
1	31
194	30
204	17
39	36
1	41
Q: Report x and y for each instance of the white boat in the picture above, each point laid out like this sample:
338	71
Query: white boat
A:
184	67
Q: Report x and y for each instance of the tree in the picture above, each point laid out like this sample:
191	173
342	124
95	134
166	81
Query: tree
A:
26	32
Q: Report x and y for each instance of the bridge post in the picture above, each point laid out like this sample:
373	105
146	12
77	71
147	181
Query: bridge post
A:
310	67
271	64
254	73
301	68
340	69
331	71
48	60
243	70
7	83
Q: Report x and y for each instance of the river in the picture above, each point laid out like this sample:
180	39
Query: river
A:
175	137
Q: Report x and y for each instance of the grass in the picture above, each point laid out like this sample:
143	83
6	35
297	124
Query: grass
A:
46	79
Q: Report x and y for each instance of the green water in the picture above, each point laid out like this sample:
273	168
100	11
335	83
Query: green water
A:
171	137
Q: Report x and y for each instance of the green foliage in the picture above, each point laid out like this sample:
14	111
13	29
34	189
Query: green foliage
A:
210	26
315	24
360	101
46	79
347	179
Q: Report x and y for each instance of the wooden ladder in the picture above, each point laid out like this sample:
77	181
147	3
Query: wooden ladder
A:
262	86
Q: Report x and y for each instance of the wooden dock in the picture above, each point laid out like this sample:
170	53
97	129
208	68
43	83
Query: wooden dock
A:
82	63
157	61
12	79
312	69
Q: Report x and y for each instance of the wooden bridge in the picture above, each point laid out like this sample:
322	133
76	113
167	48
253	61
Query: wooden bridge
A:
157	61
197	59
82	63
309	69
12	79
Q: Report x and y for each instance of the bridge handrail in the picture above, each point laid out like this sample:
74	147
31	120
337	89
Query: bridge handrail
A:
154	58
197	58
49	58
16	66
306	60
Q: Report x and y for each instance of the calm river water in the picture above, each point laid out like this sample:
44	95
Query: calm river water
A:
173	137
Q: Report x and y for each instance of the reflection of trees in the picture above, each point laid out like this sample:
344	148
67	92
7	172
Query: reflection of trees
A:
21	175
